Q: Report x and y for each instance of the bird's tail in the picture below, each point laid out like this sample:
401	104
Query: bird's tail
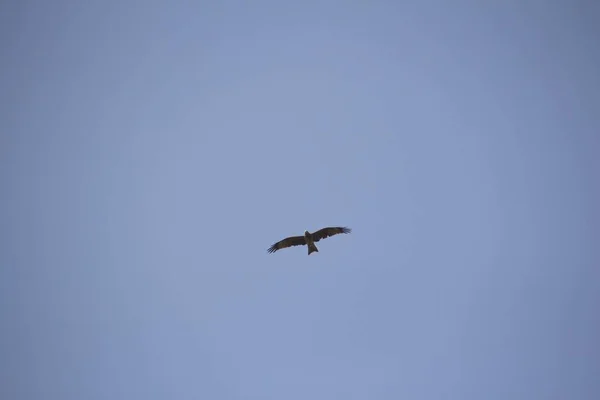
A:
312	248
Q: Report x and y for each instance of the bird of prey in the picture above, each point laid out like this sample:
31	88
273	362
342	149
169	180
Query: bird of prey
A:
308	239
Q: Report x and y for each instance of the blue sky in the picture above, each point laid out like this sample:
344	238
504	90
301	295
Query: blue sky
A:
151	152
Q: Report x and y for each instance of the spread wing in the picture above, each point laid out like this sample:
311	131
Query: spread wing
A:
287	242
326	232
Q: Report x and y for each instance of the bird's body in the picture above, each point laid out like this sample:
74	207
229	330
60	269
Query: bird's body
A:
308	239
310	243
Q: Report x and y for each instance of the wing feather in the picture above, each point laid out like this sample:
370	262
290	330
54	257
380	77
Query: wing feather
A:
287	242
330	231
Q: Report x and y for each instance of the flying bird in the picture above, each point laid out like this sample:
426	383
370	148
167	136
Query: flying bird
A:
308	239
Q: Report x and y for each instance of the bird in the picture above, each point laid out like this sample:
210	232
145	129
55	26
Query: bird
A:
308	239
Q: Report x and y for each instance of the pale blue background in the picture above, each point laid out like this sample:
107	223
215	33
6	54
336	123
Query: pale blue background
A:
152	151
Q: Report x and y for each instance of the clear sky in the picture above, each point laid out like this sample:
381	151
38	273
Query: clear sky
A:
152	151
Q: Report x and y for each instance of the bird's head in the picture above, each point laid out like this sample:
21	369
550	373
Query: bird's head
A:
306	233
